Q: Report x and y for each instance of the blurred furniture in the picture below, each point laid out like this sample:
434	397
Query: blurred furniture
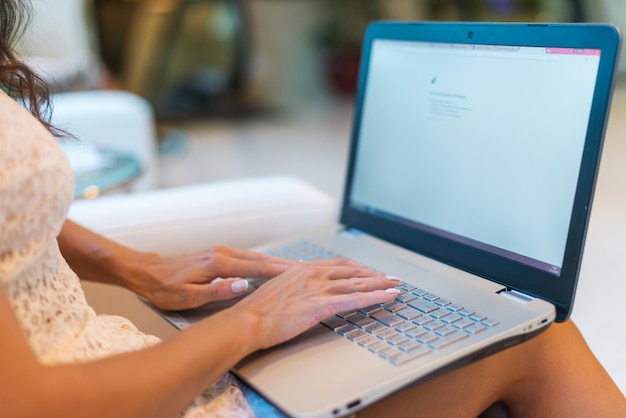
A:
240	212
187	57
61	44
115	145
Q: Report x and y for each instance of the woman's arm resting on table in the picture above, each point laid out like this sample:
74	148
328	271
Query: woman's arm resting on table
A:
148	382
177	282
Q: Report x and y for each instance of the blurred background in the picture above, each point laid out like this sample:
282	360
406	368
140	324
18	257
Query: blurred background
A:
245	87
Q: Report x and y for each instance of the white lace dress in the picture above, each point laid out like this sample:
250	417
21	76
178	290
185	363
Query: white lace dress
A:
36	186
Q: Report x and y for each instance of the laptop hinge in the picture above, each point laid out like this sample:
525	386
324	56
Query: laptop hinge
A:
516	296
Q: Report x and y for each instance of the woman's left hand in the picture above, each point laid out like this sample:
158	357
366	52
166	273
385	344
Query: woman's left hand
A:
173	283
189	281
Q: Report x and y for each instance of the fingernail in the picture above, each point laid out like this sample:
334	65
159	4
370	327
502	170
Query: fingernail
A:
393	290
239	286
394	278
217	280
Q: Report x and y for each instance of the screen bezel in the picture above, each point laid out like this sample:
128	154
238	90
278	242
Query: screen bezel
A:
514	275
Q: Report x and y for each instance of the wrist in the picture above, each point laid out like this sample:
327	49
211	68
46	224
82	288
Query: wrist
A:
131	270
250	327
98	259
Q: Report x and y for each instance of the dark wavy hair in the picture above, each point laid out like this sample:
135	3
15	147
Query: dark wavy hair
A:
17	79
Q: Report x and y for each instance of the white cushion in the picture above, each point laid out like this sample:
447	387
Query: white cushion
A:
240	213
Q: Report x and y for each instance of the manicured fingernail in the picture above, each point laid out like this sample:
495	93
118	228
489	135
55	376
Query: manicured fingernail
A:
393	290
239	286
394	278
217	280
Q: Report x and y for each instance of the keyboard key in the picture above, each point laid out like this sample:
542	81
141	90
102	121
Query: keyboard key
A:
405	297
397	339
387	334
369	310
447	340
423	306
368	341
452	318
419	292
478	317
356	318
427	338
364	322
446	330
387	318
416	352
376	347
405	326
356	334
361	320
475	328
463	323
389	352
416	332
430	297
406	287
431	326
346	314
466	312
409	313
454	307
393	306
334	322
409	344
347	329
490	322
375	328
423	320
440	313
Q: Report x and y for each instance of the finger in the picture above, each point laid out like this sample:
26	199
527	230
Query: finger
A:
232	267
217	255
305	271
219	290
337	261
349	271
363	284
252	255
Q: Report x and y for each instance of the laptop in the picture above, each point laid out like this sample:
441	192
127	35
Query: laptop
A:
475	150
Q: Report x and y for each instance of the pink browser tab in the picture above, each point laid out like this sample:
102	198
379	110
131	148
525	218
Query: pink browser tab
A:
572	51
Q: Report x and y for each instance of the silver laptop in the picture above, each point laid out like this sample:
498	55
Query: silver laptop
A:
474	154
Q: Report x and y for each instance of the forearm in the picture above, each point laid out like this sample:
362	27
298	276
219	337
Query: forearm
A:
96	258
156	382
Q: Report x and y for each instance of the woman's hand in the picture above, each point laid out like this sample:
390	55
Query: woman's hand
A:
179	282
307	293
189	281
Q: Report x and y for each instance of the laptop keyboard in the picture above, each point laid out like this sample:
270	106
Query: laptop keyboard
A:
416	323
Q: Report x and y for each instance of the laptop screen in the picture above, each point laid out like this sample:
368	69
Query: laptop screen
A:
481	144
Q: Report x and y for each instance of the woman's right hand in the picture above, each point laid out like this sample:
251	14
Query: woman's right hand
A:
307	293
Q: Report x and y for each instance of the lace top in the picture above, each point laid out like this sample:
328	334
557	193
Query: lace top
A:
36	186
